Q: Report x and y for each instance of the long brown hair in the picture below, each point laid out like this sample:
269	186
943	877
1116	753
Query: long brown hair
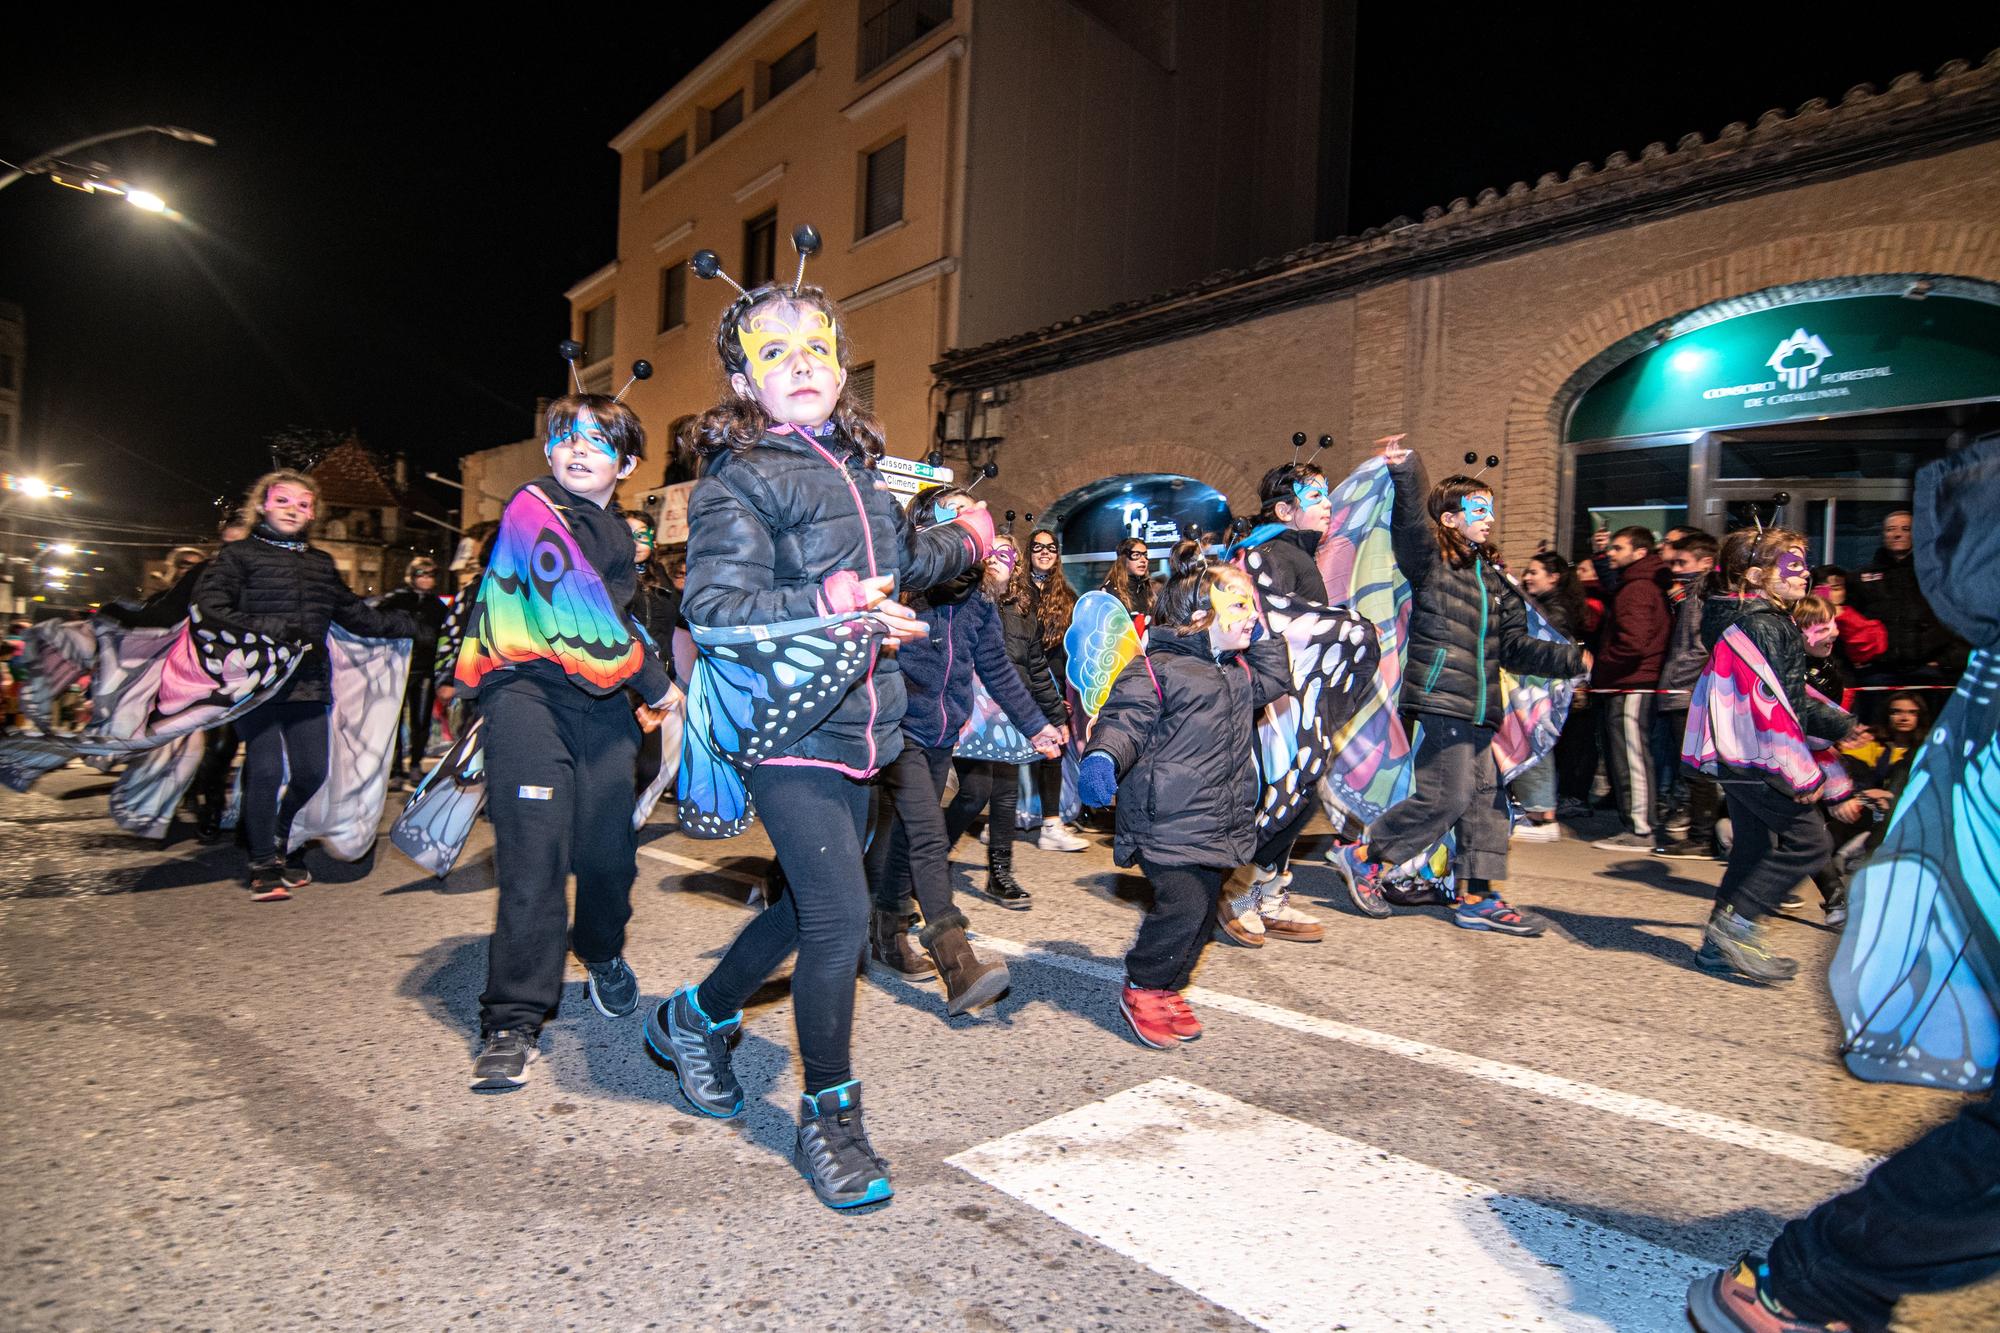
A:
737	422
1053	598
1018	595
1119	582
1458	549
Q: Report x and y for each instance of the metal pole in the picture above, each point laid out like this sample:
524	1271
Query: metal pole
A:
37	165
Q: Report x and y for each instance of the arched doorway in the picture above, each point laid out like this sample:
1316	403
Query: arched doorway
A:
1811	405
1157	507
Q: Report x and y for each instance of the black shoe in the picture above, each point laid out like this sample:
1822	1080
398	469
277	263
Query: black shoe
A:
682	1035
1001	886
1734	943
1685	849
294	871
833	1151
267	882
503	1060
209	829
613	988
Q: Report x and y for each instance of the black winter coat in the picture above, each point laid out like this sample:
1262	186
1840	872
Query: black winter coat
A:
1687	655
1783	645
966	640
1181	735
429	611
1290	566
1465	624
267	588
1058	657
769	524
1886	589
1024	648
658	610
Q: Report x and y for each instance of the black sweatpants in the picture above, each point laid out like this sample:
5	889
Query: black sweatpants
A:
911	850
284	766
1927	1219
982	782
1177	925
559	793
816	818
211	778
1457	787
1775	842
419	697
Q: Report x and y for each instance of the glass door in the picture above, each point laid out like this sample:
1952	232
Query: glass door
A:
1842	521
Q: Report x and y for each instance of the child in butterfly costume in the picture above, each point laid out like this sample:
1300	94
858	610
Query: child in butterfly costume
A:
789	522
1752	724
549	653
1467	623
1173	745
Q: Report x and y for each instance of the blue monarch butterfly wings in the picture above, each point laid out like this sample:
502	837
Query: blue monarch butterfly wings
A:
1914	978
989	733
1335	654
438	817
756	690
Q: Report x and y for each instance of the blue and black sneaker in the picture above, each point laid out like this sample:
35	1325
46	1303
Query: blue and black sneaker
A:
613	988
682	1035
833	1151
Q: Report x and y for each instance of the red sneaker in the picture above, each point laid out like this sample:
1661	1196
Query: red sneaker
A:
1735	1301
1151	1014
1181	1018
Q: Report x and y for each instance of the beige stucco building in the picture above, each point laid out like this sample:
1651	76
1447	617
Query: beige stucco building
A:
1826	282
974	167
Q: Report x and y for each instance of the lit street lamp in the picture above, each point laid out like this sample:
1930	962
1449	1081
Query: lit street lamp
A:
96	178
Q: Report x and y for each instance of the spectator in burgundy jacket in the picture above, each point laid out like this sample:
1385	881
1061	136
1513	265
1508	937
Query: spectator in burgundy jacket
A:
1631	647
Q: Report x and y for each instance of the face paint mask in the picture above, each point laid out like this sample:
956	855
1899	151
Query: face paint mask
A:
1006	556
1792	565
589	432
943	511
1233	609
1821	635
1476	509
1310	493
769	339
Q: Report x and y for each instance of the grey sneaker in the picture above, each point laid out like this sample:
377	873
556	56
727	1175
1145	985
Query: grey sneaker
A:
1625	842
503	1060
682	1035
613	988
1734	943
833	1152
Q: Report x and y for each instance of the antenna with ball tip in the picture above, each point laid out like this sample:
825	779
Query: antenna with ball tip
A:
1010	522
1492	460
641	370
1298	443
572	352
708	264
805	239
935	458
1325	443
990	470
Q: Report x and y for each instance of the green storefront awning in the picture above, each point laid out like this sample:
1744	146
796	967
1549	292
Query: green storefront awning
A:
1800	362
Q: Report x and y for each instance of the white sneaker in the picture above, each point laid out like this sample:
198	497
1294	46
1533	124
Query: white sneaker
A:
1243	910
983	831
1056	838
1529	831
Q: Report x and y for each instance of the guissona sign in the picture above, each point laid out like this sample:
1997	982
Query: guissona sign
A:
1797	362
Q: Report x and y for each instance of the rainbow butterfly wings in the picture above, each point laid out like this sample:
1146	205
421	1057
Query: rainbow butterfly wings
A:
1101	641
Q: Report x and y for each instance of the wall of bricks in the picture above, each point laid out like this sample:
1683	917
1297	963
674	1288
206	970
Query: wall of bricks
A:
1476	358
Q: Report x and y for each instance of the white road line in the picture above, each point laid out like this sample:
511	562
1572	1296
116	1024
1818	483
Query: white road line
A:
1202	1188
700	867
1721	1129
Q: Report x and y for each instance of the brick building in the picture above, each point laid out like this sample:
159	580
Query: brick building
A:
1792	315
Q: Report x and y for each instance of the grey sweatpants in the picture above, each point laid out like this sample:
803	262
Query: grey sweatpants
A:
1457	788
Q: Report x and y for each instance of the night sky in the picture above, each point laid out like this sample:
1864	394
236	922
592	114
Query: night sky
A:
382	239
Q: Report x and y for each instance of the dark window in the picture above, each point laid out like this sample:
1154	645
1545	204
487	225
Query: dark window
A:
6	370
792	66
861	386
1619	488
889	26
723	117
882	188
597	331
673	296
667	159
760	248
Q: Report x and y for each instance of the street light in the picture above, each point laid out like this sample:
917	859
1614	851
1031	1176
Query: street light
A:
38	488
46	164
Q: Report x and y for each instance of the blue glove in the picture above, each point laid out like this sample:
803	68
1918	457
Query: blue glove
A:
1097	779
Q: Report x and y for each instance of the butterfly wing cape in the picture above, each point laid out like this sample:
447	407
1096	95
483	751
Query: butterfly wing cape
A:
755	690
1740	724
1535	707
345	814
1334	654
1100	640
1370	767
438	817
990	734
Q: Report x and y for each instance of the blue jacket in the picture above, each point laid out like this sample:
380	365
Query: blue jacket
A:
966	638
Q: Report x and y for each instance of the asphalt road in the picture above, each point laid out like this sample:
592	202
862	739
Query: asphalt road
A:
228	1115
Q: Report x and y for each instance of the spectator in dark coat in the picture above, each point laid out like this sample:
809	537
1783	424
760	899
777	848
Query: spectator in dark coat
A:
1631	648
1691	560
1920	651
418	597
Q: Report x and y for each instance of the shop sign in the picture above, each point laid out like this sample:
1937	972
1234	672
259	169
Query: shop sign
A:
1802	361
906	476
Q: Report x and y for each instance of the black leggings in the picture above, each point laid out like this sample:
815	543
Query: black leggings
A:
1176	926
911	852
284	746
419	697
1048	786
816	818
982	782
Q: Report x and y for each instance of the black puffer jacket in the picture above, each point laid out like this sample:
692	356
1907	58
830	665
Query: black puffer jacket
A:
1783	645
769	524
1886	589
1288	564
1687	655
291	591
1180	735
1024	648
1465	624
1058	658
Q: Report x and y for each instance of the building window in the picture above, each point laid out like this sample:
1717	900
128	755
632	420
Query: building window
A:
597	331
888	27
861	387
882	187
721	118
760	248
790	67
673	296
667	159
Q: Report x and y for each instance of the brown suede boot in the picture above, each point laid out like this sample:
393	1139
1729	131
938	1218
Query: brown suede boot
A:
890	945
968	982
